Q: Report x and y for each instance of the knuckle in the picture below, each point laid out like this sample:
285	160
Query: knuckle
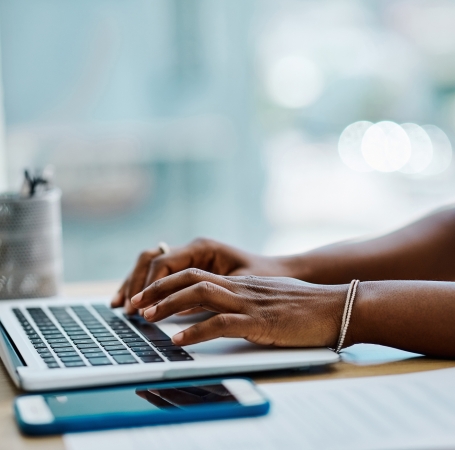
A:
156	285
145	256
222	321
203	242
205	288
194	273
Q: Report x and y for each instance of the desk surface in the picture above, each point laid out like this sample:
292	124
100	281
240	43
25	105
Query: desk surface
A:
12	440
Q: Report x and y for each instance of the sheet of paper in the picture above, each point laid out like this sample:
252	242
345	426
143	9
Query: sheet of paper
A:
368	354
413	411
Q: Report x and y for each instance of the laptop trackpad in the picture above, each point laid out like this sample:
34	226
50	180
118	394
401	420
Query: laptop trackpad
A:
216	347
226	346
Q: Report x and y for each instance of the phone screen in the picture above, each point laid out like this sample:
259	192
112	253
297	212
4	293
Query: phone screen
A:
130	399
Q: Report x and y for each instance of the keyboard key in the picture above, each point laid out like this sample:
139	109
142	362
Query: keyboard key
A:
169	349
125	333
103	335
149	330
167	343
57	340
53	365
175	353
114	347
141	354
40	345
64	350
80	346
111	343
100	361
151	359
119	352
70	358
46	355
49	359
179	358
124	359
36	341
33	335
136	339
90	350
61	345
75	364
52	333
107	339
141	349
95	355
83	341
42	350
97	330
78	335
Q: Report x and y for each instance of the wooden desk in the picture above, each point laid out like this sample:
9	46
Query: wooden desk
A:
11	439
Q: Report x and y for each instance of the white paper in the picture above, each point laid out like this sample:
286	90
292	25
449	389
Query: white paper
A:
413	411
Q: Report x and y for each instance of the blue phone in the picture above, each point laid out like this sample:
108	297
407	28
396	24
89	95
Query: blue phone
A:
131	406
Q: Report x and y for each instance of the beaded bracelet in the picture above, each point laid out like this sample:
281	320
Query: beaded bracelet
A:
347	313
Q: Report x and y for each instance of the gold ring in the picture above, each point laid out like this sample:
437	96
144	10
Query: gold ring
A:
165	249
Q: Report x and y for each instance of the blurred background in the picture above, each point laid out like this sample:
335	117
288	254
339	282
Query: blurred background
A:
275	125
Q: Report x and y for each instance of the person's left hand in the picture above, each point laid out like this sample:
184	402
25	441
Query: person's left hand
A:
265	310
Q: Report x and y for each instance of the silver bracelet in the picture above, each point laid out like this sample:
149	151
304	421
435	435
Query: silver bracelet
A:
347	313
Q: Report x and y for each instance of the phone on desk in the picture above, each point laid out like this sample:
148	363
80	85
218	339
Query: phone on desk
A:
146	404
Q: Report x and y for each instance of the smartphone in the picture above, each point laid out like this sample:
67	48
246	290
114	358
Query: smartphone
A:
132	406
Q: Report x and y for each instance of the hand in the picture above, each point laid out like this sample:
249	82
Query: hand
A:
204	254
271	311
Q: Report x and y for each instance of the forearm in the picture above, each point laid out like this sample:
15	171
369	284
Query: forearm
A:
417	316
423	250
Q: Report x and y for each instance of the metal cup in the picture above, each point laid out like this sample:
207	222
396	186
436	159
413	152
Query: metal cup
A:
31	263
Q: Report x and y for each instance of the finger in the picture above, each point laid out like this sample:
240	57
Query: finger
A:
209	296
161	289
221	325
119	298
129	308
199	254
139	274
192	311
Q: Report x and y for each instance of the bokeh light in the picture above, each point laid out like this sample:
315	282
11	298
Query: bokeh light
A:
442	151
350	146
421	149
386	147
294	81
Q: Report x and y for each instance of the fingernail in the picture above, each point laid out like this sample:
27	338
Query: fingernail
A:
177	338
137	298
150	312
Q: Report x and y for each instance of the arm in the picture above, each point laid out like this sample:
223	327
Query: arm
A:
417	316
423	250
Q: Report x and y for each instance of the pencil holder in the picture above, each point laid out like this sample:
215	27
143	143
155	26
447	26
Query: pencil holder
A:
30	245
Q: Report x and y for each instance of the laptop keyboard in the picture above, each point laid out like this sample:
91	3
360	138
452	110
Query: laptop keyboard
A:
72	336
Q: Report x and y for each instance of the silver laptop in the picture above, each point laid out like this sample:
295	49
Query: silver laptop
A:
59	343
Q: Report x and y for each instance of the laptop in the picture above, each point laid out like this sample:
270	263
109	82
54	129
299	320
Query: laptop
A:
61	343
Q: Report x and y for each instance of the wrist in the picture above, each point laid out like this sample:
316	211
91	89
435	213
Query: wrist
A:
297	266
358	329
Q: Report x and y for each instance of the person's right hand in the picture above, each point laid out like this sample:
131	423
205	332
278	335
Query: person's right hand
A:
205	254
